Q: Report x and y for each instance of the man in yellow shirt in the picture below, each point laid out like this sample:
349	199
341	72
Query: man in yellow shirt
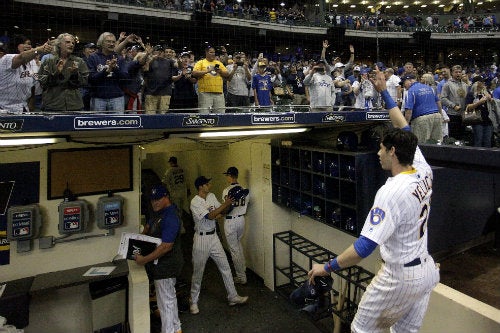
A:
210	73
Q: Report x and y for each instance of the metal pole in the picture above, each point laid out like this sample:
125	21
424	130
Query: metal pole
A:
376	33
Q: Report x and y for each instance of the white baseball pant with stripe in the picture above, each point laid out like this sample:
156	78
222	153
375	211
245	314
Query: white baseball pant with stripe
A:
209	246
167	304
397	298
234	229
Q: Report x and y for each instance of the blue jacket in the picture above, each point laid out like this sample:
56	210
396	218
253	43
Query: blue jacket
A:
102	85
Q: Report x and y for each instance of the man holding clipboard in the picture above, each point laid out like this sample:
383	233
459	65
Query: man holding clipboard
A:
169	254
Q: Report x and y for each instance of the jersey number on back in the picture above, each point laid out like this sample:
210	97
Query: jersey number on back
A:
424	216
179	179
240	202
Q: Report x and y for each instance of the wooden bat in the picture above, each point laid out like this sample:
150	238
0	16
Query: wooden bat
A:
340	306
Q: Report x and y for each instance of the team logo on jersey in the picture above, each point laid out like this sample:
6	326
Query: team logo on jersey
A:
377	215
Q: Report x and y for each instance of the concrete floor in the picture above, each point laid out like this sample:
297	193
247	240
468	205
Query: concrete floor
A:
475	272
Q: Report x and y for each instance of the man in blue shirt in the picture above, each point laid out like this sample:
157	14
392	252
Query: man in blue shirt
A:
262	86
496	93
423	110
169	255
107	72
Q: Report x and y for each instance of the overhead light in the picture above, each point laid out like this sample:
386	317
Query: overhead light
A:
221	134
252	132
30	141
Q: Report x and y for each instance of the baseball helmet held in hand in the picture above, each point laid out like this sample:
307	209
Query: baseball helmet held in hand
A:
308	293
238	192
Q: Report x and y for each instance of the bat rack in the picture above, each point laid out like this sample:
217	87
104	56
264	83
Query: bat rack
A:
294	255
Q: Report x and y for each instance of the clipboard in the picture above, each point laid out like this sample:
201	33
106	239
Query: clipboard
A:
138	243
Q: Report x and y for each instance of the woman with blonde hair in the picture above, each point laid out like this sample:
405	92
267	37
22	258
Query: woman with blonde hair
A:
428	79
477	101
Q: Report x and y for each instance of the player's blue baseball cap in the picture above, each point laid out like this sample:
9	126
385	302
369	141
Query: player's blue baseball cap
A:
158	191
200	181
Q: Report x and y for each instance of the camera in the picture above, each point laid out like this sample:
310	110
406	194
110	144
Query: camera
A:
216	66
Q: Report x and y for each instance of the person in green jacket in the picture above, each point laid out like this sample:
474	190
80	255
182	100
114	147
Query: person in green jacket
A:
62	76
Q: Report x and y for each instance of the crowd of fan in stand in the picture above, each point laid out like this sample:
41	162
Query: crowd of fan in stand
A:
126	75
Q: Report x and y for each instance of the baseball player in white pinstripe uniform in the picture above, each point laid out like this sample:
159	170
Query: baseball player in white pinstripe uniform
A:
18	75
234	227
206	244
398	295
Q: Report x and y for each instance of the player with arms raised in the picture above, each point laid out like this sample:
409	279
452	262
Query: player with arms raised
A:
398	295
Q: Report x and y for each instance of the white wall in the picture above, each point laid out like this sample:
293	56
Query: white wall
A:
72	302
451	311
71	254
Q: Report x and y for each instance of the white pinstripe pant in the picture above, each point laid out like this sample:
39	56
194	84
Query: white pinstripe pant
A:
234	229
204	247
397	298
166	300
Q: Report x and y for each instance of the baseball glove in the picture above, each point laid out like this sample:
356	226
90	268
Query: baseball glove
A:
237	192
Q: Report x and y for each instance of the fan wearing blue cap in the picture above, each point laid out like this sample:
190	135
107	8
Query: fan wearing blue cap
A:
205	209
165	225
363	90
234	225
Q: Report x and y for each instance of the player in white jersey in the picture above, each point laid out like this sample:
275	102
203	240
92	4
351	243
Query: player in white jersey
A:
17	76
398	295
176	184
234	226
206	244
321	88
